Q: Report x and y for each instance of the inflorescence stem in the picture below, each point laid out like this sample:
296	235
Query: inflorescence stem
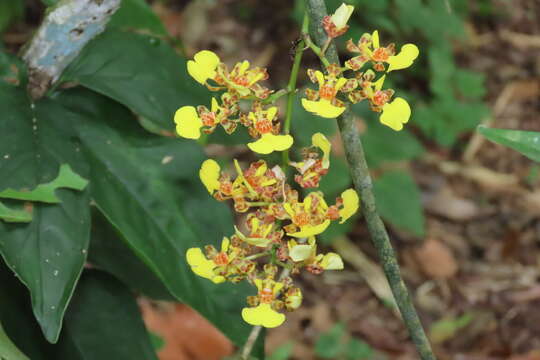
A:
363	184
291	87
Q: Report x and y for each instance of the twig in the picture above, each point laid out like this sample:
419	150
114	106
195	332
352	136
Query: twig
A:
291	88
66	29
363	184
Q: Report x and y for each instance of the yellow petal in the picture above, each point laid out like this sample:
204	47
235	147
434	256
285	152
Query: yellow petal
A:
320	78
332	261
269	143
307	231
379	83
375	39
339	84
300	252
351	202
271	113
294	301
404	59
225	244
396	113
319	140
188	123
322	108
209	174
263	315
200	265
215	105
342	15
259	242
277	288
203	67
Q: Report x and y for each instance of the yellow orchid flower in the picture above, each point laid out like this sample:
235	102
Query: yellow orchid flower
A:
269	143
203	66
405	58
320	141
323	108
263	314
370	49
342	15
307	253
395	114
329	86
204	267
209	174
332	261
336	25
311	230
188	122
351	202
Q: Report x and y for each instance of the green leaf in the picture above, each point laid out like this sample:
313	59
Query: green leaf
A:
10	11
17	318
137	14
444	120
470	84
40	140
383	144
45	192
330	344
447	328
358	350
14	215
141	72
8	350
282	352
104	322
49	2
147	187
48	254
109	252
525	142
157	341
398	201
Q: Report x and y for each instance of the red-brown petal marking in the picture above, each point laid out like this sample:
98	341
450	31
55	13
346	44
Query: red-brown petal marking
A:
380	98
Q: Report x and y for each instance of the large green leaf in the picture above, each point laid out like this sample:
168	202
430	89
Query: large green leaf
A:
17	318
137	15
141	72
39	141
398	201
110	253
104	322
8	351
48	254
526	142
147	186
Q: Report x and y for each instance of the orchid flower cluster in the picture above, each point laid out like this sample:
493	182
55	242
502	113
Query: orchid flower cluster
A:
281	225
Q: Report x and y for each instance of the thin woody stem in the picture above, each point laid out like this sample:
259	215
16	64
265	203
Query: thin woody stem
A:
363	185
255	331
291	88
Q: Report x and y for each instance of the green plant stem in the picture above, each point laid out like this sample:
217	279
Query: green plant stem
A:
363	185
291	88
255	331
317	50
